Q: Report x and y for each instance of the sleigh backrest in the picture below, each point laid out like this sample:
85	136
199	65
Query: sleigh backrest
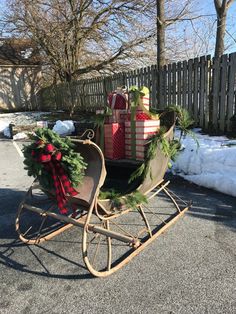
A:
95	172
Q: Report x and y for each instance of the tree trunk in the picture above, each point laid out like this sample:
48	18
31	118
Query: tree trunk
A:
160	34
161	59
221	8
220	33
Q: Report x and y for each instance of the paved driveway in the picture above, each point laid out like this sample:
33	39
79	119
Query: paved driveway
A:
189	269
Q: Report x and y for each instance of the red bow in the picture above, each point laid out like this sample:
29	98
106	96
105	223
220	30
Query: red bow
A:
51	161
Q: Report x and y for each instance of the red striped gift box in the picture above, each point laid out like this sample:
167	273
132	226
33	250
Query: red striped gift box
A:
144	130
144	102
114	140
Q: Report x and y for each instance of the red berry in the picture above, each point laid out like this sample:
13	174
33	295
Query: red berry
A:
49	148
44	158
32	153
58	156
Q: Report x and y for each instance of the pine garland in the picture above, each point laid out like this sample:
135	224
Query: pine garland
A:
171	148
184	122
44	143
117	200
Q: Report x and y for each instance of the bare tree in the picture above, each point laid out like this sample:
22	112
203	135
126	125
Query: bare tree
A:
81	36
221	7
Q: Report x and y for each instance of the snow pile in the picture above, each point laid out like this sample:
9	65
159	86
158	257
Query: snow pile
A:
22	118
64	127
212	165
20	136
3	125
4	128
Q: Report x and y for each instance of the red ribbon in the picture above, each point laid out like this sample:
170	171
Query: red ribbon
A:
62	184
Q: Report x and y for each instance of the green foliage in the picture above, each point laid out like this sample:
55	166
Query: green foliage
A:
185	122
169	148
134	95
99	119
183	115
135	199
112	195
117	200
138	173
71	161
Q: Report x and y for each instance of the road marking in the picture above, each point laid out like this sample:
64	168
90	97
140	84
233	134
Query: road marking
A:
18	149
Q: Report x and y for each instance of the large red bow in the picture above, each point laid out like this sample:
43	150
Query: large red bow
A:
51	161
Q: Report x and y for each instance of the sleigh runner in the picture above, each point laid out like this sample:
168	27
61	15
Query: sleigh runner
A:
111	235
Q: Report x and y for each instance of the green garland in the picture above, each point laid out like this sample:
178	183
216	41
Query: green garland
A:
71	161
184	121
169	149
117	199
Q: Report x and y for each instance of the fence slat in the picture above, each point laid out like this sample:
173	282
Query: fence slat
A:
223	81
164	75
174	83
190	86
231	88
169	85
154	85
179	84
202	91
184	88
196	90
215	92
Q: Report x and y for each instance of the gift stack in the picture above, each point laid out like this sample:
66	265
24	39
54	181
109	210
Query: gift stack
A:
141	125
126	131
114	128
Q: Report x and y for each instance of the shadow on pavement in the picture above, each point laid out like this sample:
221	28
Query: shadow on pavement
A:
12	250
207	204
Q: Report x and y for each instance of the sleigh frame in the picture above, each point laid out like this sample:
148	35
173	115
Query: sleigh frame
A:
111	236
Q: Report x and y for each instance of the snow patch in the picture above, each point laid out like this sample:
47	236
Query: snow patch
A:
212	165
4	125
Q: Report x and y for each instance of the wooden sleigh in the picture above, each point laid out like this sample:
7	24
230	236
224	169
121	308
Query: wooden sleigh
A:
111	236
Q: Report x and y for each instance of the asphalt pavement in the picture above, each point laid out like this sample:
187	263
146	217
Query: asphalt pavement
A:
188	269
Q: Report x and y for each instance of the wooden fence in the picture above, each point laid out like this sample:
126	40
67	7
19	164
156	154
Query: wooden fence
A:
204	86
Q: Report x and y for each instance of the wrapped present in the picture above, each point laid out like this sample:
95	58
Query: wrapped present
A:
135	141
118	99
144	100
114	140
116	116
139	98
139	115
